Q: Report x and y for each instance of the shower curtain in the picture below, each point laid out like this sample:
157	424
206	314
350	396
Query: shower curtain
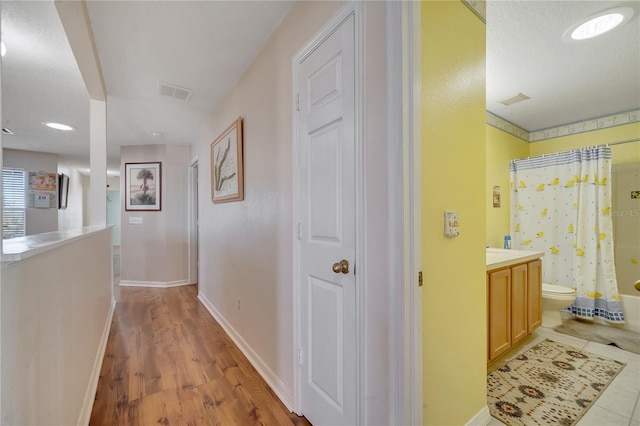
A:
561	205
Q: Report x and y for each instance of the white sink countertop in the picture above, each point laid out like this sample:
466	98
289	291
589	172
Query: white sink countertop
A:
499	258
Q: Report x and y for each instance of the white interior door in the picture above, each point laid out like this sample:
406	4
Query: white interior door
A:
326	106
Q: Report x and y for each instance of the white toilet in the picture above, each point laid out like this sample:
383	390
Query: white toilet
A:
554	299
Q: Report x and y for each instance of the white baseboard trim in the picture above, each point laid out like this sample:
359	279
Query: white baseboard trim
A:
277	385
92	388
161	284
481	419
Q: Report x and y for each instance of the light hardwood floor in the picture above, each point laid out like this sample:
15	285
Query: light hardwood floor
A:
168	362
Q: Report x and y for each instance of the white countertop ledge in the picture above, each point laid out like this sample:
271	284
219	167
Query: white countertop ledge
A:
20	248
500	258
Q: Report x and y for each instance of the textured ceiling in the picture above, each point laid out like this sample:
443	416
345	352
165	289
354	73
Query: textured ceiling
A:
206	45
41	82
567	82
203	46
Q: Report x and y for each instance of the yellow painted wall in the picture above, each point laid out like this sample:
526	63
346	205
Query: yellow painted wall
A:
453	178
626	153
501	147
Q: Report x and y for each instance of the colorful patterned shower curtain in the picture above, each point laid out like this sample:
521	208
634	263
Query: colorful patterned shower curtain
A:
561	205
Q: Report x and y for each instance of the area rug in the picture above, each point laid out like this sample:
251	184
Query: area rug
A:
609	335
550	384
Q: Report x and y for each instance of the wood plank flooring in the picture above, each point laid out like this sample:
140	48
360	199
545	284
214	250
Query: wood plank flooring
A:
168	362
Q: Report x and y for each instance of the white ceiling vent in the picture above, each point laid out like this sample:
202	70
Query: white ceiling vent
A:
514	99
172	91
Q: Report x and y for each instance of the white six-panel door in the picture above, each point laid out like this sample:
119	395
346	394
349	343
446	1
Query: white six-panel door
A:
326	129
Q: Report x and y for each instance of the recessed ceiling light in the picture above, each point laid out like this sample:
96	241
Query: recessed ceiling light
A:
598	24
3	49
59	126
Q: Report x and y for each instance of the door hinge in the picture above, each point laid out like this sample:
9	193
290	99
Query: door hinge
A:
419	278
299	231
299	356
299	102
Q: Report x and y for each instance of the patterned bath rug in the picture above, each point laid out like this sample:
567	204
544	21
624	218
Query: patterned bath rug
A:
550	384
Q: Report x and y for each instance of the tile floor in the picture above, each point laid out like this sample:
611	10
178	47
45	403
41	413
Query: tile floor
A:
619	404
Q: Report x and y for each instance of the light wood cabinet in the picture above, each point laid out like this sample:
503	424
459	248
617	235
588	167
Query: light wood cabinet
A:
535	294
519	296
514	297
499	310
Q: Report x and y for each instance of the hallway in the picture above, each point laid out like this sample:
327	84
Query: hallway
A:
168	362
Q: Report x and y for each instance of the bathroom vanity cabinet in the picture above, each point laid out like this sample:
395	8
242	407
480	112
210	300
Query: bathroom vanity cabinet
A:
514	297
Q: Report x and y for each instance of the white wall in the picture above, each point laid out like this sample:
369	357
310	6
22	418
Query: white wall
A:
113	182
55	307
37	220
246	248
73	216
155	252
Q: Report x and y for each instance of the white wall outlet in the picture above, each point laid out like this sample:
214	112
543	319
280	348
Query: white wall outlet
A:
135	220
451	223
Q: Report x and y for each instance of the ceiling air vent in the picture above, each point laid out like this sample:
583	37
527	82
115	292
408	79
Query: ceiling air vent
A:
6	131
173	91
514	99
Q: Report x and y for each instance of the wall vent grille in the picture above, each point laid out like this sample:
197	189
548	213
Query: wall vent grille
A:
514	99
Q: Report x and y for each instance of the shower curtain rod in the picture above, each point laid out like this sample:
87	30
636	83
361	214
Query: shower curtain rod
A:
603	144
625	141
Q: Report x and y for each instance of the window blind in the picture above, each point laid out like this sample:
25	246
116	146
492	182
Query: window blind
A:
13	203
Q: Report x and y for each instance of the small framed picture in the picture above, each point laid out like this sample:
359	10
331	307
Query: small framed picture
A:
227	179
143	186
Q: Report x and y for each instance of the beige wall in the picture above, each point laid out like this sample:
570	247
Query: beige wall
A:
453	178
55	308
37	220
246	248
155	252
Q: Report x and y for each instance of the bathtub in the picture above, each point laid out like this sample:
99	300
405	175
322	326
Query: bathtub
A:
631	310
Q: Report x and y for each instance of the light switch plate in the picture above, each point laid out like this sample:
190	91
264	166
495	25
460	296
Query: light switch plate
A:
451	223
135	220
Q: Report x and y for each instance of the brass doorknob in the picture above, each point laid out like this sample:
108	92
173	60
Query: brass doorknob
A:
342	266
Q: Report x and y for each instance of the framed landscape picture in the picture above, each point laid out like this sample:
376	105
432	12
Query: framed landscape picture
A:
227	179
142	186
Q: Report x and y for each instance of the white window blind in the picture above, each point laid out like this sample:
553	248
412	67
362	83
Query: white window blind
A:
13	203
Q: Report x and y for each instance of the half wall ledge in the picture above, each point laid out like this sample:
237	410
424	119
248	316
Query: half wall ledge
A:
20	248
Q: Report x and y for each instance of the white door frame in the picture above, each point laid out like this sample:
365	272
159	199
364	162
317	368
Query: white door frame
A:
193	221
404	173
355	9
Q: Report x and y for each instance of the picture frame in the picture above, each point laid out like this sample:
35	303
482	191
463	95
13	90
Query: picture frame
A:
143	186
227	174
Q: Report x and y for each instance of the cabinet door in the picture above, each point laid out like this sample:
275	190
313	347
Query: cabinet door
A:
519	295
499	309
535	294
